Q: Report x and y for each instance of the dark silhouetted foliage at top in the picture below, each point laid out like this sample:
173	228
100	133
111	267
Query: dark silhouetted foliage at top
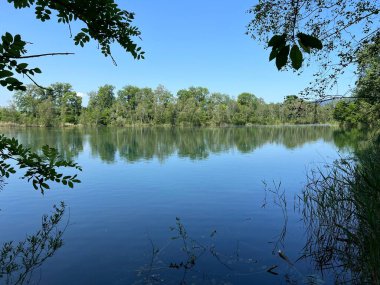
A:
104	22
330	31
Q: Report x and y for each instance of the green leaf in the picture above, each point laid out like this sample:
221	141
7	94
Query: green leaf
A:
273	54
277	41
310	41
304	48
296	57
17	38
8	37
22	66
282	57
5	73
44	185
11	80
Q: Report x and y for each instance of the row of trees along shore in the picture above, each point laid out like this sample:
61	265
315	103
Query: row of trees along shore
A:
59	104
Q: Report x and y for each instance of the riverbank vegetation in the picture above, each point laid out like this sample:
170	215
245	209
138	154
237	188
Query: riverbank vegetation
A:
341	202
341	209
195	106
364	107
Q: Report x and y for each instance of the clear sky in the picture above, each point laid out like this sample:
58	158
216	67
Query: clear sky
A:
187	43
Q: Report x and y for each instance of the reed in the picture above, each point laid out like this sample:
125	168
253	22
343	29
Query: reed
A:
341	209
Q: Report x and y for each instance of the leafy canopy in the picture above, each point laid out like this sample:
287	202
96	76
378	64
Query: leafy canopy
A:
330	30
104	22
40	169
11	49
368	84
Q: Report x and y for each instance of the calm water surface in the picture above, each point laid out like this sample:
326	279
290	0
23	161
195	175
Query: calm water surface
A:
136	182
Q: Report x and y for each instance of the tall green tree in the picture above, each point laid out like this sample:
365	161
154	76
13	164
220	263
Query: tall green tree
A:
70	107
57	103
145	106
364	107
219	109
163	106
246	106
126	103
46	113
57	91
192	104
368	84
100	103
27	101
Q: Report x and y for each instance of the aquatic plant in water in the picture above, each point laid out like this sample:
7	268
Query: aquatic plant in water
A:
341	209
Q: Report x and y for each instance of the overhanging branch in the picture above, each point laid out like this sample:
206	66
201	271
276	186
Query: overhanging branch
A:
35	83
39	55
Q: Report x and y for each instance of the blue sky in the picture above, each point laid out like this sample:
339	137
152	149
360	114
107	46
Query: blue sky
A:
187	43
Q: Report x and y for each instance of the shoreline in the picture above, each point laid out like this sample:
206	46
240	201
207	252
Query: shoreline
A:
63	126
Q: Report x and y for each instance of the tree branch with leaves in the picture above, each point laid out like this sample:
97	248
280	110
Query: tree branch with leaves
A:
331	31
104	22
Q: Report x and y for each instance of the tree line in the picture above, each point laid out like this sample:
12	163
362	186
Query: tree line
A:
59	104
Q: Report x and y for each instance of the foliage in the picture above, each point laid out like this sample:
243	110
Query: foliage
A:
364	107
194	106
331	30
104	22
70	107
11	49
356	112
17	262
368	84
48	107
100	103
281	51
40	169
342	213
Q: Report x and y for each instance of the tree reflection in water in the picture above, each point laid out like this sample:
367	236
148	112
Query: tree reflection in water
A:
340	205
135	144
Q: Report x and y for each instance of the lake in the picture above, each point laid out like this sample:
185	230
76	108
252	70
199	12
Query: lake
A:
172	205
